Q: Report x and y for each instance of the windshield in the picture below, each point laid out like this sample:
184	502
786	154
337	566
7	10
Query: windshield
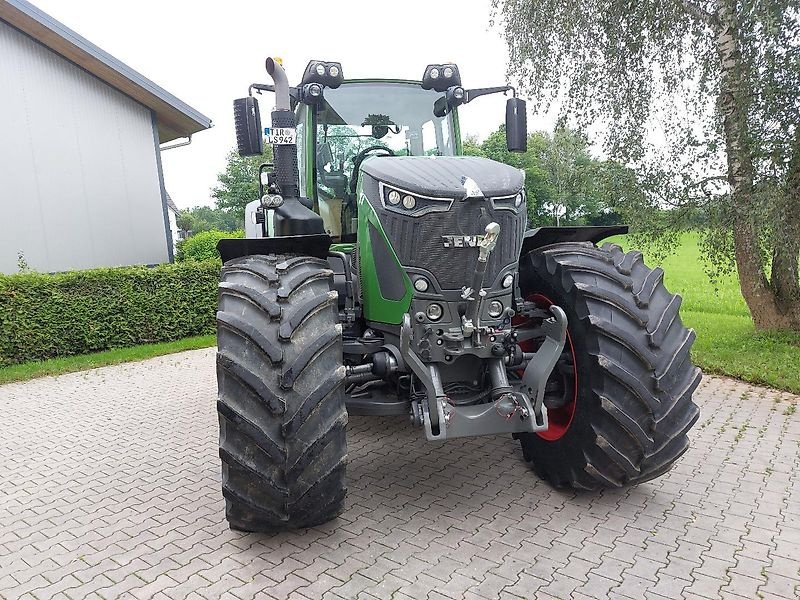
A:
389	117
395	116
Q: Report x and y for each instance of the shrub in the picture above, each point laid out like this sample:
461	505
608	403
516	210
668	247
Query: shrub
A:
203	245
44	316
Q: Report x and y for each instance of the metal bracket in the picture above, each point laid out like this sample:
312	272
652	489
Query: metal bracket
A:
544	361
443	420
426	375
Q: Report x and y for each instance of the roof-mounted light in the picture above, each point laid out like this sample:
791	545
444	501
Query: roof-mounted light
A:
440	77
324	73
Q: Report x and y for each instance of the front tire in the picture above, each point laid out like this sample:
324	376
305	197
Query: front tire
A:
633	376
281	406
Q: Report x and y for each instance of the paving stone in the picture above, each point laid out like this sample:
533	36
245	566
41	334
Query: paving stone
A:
125	502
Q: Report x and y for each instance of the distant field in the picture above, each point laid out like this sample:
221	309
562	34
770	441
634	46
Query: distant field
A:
727	342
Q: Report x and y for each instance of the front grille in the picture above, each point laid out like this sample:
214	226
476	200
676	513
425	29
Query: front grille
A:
418	240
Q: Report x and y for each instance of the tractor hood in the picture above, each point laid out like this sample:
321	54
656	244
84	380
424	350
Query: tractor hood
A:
446	176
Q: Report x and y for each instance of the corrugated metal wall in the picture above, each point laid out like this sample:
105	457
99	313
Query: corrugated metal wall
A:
79	183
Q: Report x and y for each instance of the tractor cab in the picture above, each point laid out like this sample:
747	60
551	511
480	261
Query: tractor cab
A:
358	120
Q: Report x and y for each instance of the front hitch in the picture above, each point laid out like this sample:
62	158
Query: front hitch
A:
509	411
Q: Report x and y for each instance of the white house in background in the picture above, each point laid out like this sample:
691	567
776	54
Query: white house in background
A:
175	232
81	183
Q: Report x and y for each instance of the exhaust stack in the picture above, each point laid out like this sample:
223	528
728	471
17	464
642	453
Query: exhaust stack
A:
294	216
287	175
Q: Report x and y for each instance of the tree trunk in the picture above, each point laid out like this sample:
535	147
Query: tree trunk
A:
734	98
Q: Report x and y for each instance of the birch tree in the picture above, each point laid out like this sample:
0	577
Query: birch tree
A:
702	97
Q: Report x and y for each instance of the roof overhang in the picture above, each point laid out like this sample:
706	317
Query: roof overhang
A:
176	119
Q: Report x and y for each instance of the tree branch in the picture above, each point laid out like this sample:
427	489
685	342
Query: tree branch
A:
698	12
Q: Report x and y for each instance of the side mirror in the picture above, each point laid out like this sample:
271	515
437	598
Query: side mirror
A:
441	107
516	125
249	136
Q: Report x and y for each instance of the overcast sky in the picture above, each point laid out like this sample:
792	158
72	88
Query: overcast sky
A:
207	53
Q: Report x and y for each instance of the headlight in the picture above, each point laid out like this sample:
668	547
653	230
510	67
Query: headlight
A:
448	72
508	280
434	73
409	203
320	70
334	71
421	284
495	308
518	200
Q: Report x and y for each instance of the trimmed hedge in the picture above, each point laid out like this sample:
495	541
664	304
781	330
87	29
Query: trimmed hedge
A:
45	316
203	245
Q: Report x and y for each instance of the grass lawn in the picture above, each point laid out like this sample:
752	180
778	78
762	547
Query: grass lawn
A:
727	343
69	364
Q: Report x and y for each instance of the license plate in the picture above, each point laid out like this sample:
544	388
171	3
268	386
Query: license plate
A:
281	135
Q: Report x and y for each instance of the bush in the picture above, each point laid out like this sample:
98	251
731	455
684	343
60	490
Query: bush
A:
45	316
203	246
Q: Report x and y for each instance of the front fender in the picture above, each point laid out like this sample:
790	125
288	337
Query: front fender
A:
545	236
309	245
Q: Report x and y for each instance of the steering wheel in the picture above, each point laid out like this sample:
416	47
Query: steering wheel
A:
360	157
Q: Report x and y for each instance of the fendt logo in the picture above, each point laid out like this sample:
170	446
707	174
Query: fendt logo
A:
462	241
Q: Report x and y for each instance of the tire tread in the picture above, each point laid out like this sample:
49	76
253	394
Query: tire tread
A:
638	358
281	393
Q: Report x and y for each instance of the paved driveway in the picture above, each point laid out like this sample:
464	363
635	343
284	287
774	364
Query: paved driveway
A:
111	487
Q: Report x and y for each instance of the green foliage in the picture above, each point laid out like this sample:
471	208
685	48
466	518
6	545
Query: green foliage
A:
471	146
203	246
205	218
564	183
238	183
45	316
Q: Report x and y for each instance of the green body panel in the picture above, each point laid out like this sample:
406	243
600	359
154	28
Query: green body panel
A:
457	133
375	306
346	248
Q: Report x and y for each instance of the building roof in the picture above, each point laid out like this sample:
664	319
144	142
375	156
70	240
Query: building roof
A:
171	204
176	119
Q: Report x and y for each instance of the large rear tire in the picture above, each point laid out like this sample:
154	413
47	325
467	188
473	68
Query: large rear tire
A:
633	379
281	406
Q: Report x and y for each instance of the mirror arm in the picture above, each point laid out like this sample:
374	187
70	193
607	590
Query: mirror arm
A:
294	92
470	95
260	87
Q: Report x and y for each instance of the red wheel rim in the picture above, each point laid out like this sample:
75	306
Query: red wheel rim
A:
559	419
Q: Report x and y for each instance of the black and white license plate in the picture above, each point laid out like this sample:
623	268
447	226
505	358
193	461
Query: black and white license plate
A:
281	135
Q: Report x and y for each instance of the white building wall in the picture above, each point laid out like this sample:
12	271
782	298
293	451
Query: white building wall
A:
79	179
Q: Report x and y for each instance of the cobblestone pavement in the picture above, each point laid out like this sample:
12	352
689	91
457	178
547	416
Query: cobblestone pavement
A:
111	488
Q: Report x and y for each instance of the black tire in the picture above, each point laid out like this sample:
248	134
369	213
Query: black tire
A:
281	406
635	378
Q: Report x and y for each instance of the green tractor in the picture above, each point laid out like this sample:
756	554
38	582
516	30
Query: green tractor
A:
391	275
